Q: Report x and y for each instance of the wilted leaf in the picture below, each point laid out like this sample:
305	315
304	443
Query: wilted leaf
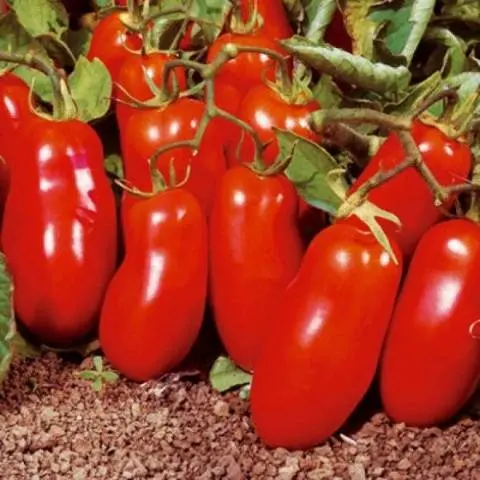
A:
467	10
318	15
347	67
405	22
361	28
225	375
7	321
327	93
91	88
308	170
456	48
40	17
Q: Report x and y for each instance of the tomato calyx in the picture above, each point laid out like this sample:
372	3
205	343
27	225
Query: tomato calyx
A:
238	25
293	91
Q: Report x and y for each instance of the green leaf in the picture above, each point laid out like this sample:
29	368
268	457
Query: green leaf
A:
467	10
319	14
114	164
244	393
91	88
456	48
326	92
42	86
109	376
97	384
98	363
347	67
308	170
41	16
89	375
362	29
7	321
14	38
225	375
405	22
415	96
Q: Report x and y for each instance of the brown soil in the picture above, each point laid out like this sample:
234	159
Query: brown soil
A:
54	426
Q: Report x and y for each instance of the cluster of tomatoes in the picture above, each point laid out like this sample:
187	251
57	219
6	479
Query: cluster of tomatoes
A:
313	310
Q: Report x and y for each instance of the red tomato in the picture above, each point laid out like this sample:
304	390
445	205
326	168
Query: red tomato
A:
255	251
4	8
264	108
337	34
63	254
322	353
112	41
131	78
407	195
238	76
154	305
275	21
14	109
244	72
431	360
148	130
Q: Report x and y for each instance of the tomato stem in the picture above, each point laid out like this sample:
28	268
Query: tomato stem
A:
46	68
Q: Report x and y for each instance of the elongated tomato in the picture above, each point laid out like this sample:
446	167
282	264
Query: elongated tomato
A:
407	195
326	337
431	361
59	232
154	305
255	251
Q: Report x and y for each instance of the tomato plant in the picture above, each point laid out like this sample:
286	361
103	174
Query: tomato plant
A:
336	33
255	251
112	42
431	360
407	195
63	256
131	77
150	129
326	341
154	305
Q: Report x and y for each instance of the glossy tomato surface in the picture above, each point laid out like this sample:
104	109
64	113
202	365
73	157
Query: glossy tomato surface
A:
150	129
407	195
431	361
131	79
63	253
15	111
154	306
321	356
255	251
112	41
263	108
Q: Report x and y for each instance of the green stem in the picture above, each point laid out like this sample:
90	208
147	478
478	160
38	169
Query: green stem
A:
46	68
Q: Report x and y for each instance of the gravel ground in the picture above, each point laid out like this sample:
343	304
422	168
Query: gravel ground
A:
54	426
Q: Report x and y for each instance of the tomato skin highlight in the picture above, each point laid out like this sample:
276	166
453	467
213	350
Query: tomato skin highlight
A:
320	359
263	108
255	251
111	42
431	362
449	161
148	130
238	76
63	254
131	77
154	305
14	110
